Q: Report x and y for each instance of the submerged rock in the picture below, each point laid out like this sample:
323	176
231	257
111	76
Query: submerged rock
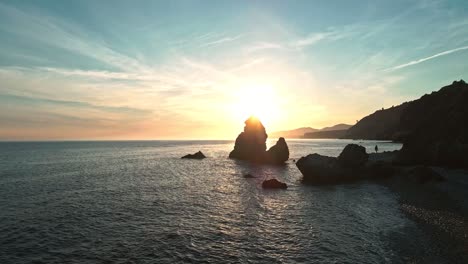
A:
248	175
274	184
198	155
251	145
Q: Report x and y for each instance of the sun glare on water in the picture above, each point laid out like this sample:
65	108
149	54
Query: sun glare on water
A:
259	101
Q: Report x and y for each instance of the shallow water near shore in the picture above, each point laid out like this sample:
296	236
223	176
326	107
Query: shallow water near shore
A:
138	201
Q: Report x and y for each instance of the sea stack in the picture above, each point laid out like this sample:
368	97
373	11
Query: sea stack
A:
251	145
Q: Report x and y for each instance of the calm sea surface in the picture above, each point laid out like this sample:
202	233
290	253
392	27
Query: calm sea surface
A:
121	202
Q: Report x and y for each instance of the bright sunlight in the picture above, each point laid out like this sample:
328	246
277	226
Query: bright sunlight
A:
259	100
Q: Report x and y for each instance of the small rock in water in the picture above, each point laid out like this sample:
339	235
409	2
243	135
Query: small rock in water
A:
248	175
198	155
274	184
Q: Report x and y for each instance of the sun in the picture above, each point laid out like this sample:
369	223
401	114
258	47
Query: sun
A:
257	100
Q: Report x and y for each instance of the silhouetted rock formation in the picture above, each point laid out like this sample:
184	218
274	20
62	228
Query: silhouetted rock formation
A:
251	145
274	184
353	156
352	164
198	155
318	169
279	153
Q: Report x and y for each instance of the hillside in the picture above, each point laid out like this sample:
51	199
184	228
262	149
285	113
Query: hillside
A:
295	133
431	112
326	134
301	132
433	128
383	124
336	127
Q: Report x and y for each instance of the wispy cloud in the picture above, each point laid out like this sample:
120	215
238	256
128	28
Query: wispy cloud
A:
75	104
414	62
311	39
221	41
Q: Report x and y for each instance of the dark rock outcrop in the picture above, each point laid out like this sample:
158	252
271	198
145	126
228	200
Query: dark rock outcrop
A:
353	156
251	145
351	165
279	153
198	155
274	184
318	169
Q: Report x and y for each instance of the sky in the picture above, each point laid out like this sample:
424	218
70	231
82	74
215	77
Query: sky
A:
106	70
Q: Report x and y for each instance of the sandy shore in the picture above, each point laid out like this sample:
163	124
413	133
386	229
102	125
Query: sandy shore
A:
440	211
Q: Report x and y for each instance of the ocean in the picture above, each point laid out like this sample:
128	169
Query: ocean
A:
138	202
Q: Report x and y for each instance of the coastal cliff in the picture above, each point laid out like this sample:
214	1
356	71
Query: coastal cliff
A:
430	115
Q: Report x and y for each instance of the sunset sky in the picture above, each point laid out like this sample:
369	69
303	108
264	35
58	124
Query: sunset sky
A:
198	69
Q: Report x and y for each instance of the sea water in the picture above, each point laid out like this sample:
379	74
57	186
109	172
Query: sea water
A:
138	202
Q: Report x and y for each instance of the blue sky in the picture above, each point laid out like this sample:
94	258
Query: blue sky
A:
196	69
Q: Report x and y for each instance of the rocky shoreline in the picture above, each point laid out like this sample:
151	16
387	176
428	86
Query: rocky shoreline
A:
440	210
435	198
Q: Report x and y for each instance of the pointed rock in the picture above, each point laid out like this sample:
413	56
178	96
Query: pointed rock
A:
279	153
251	145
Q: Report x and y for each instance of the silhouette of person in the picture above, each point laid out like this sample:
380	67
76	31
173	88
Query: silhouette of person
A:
376	149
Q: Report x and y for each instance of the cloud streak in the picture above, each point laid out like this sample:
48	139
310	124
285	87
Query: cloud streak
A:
221	41
414	62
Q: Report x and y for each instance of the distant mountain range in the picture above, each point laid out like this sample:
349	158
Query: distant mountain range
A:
300	132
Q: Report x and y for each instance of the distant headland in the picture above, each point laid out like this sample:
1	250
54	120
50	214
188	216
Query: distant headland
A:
433	128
